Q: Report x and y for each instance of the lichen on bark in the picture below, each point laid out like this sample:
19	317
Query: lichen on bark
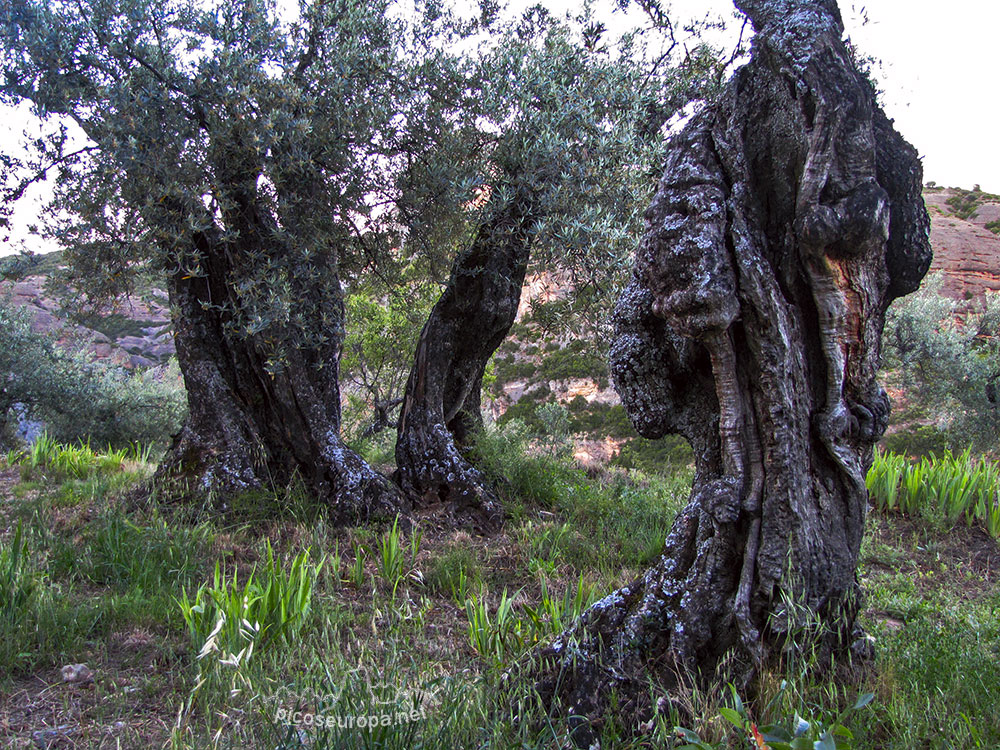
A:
254	426
787	218
440	414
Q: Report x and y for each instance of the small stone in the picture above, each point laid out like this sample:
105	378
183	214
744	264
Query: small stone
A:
80	673
45	738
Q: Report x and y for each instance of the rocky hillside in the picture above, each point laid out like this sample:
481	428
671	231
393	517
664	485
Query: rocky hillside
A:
135	333
965	235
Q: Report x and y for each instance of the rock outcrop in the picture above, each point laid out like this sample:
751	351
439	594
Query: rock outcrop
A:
966	253
135	333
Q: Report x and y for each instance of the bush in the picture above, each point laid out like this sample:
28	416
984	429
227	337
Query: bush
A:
525	412
600	420
78	398
663	456
572	361
919	441
554	419
965	202
948	363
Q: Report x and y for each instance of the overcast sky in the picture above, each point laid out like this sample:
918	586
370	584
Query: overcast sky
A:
939	73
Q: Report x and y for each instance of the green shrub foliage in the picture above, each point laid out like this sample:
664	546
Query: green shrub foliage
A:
78	398
948	361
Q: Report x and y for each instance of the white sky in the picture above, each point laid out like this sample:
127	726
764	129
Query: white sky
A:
939	73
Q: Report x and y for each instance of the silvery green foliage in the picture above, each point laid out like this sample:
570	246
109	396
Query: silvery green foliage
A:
203	119
77	398
349	130
948	360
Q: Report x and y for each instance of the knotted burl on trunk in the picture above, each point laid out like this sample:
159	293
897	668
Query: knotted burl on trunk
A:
788	217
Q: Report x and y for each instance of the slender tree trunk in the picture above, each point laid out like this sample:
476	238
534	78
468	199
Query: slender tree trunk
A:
441	406
788	216
254	423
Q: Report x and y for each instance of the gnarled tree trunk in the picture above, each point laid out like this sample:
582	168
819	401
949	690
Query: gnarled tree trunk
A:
440	411
254	423
788	216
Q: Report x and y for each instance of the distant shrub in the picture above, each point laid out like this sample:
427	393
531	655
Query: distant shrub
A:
554	418
508	370
78	398
572	361
600	420
663	456
965	202
918	441
524	413
948	363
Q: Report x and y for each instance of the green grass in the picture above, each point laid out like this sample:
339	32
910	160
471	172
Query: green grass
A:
230	622
456	572
422	626
954	487
149	557
48	459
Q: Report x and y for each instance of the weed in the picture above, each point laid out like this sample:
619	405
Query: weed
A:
236	620
37	620
553	615
495	638
146	558
456	572
956	486
393	561
56	461
792	733
18	581
356	573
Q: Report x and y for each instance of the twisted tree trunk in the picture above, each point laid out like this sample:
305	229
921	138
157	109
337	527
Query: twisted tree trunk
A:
441	405
256	421
788	216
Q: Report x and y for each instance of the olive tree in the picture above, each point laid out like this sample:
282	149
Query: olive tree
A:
567	135
788	216
947	359
249	159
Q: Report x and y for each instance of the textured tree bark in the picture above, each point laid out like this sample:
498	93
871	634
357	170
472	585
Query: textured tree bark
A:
440	412
251	425
788	216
